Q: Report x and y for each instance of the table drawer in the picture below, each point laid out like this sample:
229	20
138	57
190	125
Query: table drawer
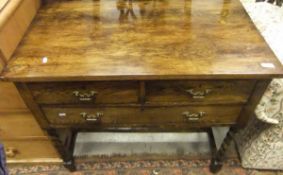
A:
210	92
18	124
85	92
30	151
148	115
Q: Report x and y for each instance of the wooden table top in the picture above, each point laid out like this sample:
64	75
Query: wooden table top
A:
142	39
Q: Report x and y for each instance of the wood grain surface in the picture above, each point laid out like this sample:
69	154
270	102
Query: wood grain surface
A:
81	92
120	39
214	115
15	18
32	151
11	125
198	92
10	98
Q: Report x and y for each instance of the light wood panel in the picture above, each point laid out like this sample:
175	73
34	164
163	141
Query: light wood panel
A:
31	151
19	124
2	65
2	61
14	21
10	97
21	135
3	3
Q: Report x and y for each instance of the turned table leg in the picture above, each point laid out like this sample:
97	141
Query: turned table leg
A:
64	142
218	155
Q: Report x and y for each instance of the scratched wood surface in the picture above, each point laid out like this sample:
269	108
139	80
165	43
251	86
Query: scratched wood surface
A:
121	39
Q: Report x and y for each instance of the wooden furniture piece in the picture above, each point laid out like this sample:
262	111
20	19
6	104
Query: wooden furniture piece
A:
14	21
119	65
23	139
21	135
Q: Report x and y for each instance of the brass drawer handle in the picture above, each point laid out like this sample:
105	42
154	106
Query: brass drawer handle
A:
155	172
198	94
92	117
11	152
193	116
62	115
85	96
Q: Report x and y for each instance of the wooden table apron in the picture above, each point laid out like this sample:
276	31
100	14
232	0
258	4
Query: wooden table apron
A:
114	65
142	98
65	108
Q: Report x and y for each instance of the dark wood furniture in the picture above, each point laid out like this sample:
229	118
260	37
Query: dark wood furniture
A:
118	65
